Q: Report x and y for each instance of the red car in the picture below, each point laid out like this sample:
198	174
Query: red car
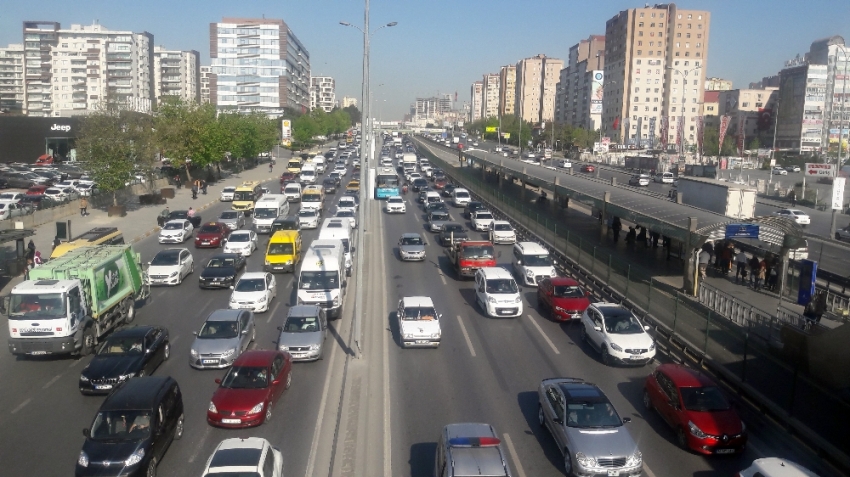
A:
562	298
440	182
587	168
36	190
696	408
247	393
211	235
287	177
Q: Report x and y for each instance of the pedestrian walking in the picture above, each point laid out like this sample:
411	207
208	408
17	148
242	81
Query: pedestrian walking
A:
56	242
204	186
31	251
754	269
37	260
190	213
726	255
641	237
630	237
704	259
815	309
793	197
616	226
84	206
741	263
195	189
761	274
718	252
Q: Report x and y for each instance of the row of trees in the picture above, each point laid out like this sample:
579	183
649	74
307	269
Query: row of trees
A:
565	136
307	126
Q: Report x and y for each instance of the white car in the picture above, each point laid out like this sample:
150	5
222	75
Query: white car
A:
475	143
245	456
501	231
227	194
68	183
395	204
497	293
411	176
778	171
775	467
309	218
170	266
176	231
347	203
347	214
243	242
254	291
418	322
639	180
664	177
11	208
11	196
798	216
85	190
481	220
532	263
616	332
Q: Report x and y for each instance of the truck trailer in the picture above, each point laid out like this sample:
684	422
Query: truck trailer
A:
732	200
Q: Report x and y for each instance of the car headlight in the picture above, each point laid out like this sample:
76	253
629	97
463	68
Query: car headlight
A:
314	347
262	299
299	301
435	335
616	347
228	353
585	461
267	263
193	353
560	310
552	272
256	409
696	431
407	335
135	458
174	274
212	408
491	299
634	459
336	301
652	346
288	262
283	348
84	378
529	273
127	376
83	459
518	300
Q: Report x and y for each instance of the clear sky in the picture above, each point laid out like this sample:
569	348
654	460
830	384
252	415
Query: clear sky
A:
442	46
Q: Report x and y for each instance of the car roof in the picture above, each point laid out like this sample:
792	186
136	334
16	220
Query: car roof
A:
133	331
240	232
253	275
170	252
563	281
138	393
611	309
779	467
304	310
581	391
410	235
180	221
532	248
238	453
256	357
494	272
224	315
684	376
418	301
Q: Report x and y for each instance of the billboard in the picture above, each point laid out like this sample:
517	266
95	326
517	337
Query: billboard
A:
819	170
490	129
596	88
838	193
286	129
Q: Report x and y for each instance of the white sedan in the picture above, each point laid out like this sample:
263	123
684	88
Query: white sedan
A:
243	242
798	216
309	218
395	204
176	231
779	171
254	291
170	266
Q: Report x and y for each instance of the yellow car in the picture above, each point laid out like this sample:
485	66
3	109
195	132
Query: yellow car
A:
353	186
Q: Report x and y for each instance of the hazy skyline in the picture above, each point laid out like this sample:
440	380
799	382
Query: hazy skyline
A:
442	46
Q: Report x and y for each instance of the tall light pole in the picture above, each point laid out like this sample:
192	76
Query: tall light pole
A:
838	154
684	74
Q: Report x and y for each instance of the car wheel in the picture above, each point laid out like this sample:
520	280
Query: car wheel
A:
151	472
88	342
606	356
568	463
541	418
647	401
130	310
178	429
167	352
682	439
288	379
583	333
268	416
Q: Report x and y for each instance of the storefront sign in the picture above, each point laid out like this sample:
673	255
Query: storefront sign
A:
742	231
838	193
60	127
819	170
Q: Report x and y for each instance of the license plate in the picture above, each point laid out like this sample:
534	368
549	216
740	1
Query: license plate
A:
36	353
103	386
725	451
613	473
422	341
504	312
635	356
210	361
205	243
231	421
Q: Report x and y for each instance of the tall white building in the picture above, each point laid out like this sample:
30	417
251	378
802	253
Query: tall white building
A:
322	93
507	89
12	79
206	73
258	65
476	100
177	73
348	101
39	40
536	81
490	96
579	91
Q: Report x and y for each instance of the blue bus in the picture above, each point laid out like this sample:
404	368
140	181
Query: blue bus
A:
386	183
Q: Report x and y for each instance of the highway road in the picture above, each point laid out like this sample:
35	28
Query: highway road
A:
485	370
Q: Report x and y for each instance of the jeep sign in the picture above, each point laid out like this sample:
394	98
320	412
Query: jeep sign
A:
60	127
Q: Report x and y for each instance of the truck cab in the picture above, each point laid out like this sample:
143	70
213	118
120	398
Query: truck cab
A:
467	257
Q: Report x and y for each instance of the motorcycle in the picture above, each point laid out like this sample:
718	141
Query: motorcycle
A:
404	189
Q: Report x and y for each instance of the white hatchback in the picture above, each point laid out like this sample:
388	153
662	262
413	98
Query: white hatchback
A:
243	242
176	231
254	291
497	293
245	456
617	334
501	231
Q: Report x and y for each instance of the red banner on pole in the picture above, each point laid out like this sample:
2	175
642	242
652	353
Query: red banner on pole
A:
665	132
724	125
680	133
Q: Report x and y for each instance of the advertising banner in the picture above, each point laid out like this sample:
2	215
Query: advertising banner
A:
490	129
700	132
286	129
741	144
742	231
639	132
819	170
665	131
838	193
652	133
724	126
506	135
808	277
763	153
680	132
628	134
597	92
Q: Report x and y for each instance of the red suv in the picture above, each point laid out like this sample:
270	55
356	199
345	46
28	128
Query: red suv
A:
211	235
696	408
36	190
587	168
287	177
562	298
247	393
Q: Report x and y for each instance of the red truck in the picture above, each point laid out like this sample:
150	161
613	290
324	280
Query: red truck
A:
467	257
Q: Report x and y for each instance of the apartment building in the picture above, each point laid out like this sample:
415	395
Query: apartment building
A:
580	87
717	84
206	73
490	96
536	80
476	100
177	73
348	101
258	64
711	108
39	40
12	79
750	113
507	90
322	93
655	64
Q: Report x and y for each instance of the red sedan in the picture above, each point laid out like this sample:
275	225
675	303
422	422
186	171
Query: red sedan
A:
211	235
562	298
440	182
691	403
248	392
287	177
588	168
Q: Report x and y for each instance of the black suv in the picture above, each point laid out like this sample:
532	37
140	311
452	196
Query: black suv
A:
133	428
289	222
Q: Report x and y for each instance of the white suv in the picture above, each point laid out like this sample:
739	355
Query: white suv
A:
460	197
501	231
418	322
532	263
497	293
617	333
245	456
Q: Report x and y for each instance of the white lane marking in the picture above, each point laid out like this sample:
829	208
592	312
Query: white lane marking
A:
466	336
75	362
546	338
648	472
386	362
200	443
751	445
21	405
49	383
171	341
314	446
272	312
514	456
443	279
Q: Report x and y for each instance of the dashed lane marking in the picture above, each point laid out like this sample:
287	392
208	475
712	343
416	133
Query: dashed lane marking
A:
200	444
443	279
546	338
466	336
75	362
272	312
21	406
514	456
49	383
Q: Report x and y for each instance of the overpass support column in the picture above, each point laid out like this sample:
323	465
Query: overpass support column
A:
603	222
689	285
523	184
555	203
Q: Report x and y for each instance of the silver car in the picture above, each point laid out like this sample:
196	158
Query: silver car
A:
587	429
303	333
411	246
223	337
233	219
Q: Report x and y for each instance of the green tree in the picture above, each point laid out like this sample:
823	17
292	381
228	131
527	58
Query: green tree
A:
353	113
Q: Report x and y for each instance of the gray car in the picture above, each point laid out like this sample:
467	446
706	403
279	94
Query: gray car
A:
223	337
411	246
586	427
303	333
438	218
234	220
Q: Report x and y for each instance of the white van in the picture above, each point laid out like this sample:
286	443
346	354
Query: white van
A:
308	174
292	191
532	263
336	228
460	197
497	293
268	208
312	197
319	162
664	177
321	280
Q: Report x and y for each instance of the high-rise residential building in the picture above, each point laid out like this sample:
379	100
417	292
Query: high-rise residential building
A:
536	80
711	108
490	96
445	104
476	100
750	114
655	58
258	64
322	93
507	90
177	73
426	108
206	72
717	84
348	101
39	39
12	79
579	90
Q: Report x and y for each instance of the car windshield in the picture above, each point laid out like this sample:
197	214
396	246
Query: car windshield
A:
128	345
173	226
244	237
292	190
395	200
567	291
461	195
32	306
503	227
222	263
478	251
210	229
453	228
419	313
321	280
307	213
218	330
412	241
121	426
301	324
345	213
285	225
228	189
251	285
592	414
314	197
704	399
243	195
483	216
166	257
229	215
246	377
280	248
265	213
537	260
501	285
439	215
622	323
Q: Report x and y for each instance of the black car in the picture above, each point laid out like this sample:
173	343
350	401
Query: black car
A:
129	352
447	190
180	214
330	184
419	184
221	271
471	207
436	206
133	428
452	232
289	222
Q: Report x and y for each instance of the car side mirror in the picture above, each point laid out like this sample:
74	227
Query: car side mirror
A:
597	328
149	263
218	380
646	327
231	287
87	432
627	420
558	420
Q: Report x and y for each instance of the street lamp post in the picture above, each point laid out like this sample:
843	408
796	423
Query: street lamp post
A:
838	155
684	74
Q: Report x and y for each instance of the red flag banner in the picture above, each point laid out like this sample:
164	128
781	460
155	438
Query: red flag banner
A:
680	133
616	123
724	126
665	131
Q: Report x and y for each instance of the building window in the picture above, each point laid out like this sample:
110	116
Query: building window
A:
687	53
699	27
660	34
690	17
640	52
699	35
687	44
641	14
635	108
675	81
686	63
673	109
699	17
689	26
679	16
659	52
640	43
654	100
655	108
640	25
661	25
698	54
660	15
693	110
745	104
678	44
650	52
640	33
646	108
678	35
696	63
